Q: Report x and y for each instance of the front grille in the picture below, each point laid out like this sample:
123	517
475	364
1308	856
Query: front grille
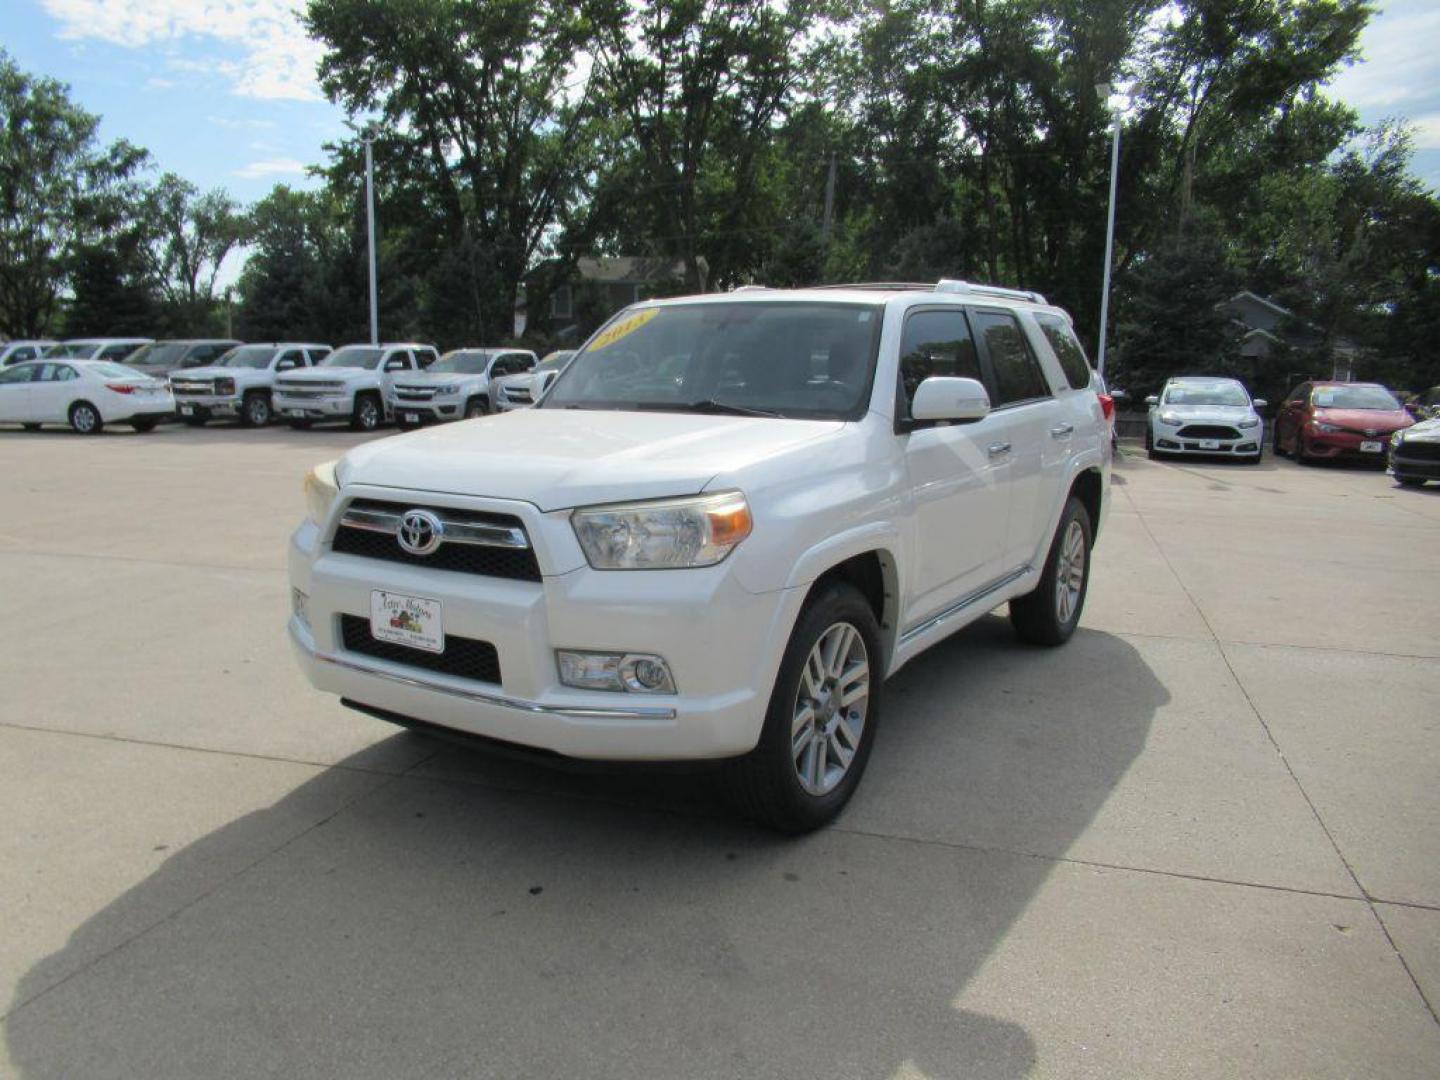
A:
191	387
1208	431
413	393
464	658
517	395
512	563
1418	451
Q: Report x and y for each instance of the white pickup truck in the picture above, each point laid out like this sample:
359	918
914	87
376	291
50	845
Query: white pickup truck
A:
354	383
729	520
241	383
460	385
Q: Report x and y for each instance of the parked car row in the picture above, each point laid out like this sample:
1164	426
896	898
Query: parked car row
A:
302	383
1321	420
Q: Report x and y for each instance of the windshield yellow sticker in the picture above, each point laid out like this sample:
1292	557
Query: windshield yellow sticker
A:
623	327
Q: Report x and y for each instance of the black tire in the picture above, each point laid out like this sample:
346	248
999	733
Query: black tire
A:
1410	481
1149	438
255	410
85	419
1301	458
369	413
477	406
1037	616
765	784
146	424
1275	441
31	427
300	425
198	420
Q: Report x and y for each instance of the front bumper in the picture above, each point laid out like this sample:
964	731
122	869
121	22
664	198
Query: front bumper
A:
428	412
319	408
207	405
1347	444
1169	441
722	643
1402	464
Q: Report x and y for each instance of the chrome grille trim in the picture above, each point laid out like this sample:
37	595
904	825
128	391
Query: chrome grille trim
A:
452	531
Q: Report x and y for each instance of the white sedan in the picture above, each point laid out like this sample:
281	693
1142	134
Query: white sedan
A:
86	394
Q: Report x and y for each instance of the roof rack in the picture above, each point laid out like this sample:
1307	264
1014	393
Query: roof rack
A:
945	285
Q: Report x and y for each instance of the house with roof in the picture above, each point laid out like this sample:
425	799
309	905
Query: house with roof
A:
566	303
1270	332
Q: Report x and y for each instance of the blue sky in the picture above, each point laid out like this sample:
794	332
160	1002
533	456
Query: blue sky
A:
223	91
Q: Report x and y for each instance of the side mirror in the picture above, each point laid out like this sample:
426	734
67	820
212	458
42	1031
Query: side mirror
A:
395	364
1153	399
943	397
1260	403
1119	395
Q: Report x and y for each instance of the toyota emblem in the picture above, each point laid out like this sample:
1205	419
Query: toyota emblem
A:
420	532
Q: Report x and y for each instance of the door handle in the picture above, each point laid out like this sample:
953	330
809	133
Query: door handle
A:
1061	431
999	448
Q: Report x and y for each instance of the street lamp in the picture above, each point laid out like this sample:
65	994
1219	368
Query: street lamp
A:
1116	97
368	134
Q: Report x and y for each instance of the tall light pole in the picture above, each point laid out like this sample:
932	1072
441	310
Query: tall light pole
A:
1117	100
368	134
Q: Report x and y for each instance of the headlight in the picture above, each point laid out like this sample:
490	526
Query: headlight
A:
1171	419
1397	437
668	535
1248	423
321	491
1328	429
225	387
442	391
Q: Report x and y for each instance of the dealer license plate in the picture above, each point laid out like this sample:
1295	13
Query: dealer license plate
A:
1209	444
1372	447
187	410
412	418
407	620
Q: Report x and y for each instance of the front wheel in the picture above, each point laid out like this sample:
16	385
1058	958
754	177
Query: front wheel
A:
367	415
821	721
256	412
144	425
476	406
1410	481
1049	613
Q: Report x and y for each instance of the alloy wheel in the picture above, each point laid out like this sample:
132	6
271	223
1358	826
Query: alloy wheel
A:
1070	572
831	704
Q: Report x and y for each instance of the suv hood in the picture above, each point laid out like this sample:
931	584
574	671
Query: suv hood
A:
212	372
433	378
561	458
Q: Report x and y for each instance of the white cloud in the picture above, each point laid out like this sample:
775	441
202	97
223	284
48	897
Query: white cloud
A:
1427	131
279	58
258	170
1401	65
239	122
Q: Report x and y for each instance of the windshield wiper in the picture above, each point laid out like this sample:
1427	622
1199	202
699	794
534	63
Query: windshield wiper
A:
708	405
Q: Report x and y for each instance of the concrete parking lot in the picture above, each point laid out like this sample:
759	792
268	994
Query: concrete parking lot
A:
1203	839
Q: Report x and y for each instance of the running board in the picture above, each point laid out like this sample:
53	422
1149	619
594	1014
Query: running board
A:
960	605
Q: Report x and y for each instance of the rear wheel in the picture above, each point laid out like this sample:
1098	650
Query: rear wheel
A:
85	418
1410	481
255	411
477	406
1049	613
144	424
822	717
368	413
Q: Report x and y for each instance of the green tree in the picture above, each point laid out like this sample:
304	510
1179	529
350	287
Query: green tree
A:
190	235
58	191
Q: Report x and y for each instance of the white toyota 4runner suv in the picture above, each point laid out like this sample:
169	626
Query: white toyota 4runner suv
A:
241	382
353	383
727	523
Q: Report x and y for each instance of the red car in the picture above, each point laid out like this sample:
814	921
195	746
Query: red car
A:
1321	421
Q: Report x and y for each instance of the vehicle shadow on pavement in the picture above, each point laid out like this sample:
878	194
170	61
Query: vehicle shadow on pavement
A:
485	917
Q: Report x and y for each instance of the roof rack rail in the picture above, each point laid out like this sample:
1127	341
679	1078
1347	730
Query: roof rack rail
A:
957	286
751	288
946	285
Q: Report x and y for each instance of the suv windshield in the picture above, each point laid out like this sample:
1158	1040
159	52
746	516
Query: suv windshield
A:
72	348
160	354
247	356
1354	397
353	356
462	362
1206	395
801	360
555	361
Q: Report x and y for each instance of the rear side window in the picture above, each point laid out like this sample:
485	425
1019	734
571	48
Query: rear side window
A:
1017	373
1067	350
936	343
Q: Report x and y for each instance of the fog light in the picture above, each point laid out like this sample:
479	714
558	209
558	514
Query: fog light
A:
300	605
638	673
